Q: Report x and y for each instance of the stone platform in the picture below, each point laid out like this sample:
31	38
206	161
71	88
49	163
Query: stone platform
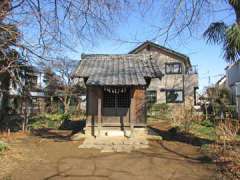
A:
115	144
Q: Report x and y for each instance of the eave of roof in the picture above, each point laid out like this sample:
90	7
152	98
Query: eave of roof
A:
143	45
118	69
221	79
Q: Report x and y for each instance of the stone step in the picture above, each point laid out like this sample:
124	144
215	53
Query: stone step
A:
115	144
112	133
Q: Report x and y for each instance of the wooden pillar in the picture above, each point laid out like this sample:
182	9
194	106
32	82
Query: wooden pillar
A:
132	113
99	114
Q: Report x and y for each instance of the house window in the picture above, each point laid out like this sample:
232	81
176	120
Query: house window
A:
174	96
115	100
34	101
173	68
151	96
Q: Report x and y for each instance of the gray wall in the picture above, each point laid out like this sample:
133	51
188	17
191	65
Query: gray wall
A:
233	74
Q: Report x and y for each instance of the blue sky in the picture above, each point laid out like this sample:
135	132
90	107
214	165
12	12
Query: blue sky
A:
136	28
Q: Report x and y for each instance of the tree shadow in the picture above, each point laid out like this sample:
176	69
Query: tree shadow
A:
174	135
93	159
53	134
199	159
63	133
75	126
92	174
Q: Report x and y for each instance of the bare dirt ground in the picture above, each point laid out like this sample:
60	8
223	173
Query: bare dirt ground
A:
50	155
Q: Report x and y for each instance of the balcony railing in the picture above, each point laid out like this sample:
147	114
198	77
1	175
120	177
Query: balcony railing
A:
192	70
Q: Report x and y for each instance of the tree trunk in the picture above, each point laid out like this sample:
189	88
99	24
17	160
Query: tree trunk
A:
4	87
26	114
51	104
66	104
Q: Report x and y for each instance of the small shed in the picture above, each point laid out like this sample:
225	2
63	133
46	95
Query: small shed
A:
116	90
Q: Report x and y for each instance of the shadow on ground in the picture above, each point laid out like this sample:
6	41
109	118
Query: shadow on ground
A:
172	134
64	133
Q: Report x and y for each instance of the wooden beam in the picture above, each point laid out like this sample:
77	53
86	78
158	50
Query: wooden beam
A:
132	113
99	115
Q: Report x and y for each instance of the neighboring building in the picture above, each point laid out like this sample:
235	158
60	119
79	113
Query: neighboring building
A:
118	85
233	79
36	96
180	81
222	82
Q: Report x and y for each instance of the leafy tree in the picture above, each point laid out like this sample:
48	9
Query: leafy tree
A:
229	36
220	99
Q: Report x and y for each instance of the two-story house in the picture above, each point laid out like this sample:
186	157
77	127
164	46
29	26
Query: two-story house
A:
179	83
29	90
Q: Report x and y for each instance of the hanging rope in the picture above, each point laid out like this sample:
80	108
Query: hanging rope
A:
115	90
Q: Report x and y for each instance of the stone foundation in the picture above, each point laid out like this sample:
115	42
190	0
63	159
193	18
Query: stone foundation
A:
115	140
115	132
115	144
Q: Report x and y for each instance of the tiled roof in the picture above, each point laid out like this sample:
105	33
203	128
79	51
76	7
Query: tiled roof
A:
117	70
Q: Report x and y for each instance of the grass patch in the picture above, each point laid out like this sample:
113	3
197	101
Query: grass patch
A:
3	146
158	112
206	130
203	130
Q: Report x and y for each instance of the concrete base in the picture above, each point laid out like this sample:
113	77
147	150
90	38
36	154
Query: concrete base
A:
115	140
115	144
115	132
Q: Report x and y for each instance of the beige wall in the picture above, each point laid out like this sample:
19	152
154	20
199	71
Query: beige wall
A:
184	81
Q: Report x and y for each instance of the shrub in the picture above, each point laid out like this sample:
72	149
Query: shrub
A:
57	117
3	146
207	123
160	111
48	120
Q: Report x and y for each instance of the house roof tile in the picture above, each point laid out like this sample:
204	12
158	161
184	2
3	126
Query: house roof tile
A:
117	70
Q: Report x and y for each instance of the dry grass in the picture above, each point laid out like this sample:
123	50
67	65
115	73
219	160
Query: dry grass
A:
227	130
227	160
9	160
183	117
11	136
